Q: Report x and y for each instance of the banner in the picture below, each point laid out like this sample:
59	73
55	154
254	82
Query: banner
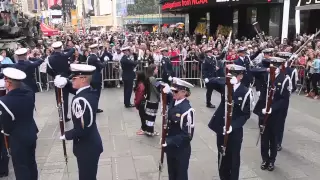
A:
74	19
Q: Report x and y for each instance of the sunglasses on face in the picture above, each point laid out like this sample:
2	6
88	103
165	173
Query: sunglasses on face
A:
175	91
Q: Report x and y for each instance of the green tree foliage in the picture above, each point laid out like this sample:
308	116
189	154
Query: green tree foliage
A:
143	7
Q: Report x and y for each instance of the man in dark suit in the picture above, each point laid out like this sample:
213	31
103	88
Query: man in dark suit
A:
128	74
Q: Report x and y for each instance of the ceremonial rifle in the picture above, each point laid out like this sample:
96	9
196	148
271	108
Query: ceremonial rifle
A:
61	121
302	47
5	136
164	129
270	93
256	27
228	115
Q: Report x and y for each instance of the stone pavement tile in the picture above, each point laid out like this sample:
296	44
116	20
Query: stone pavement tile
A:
48	131
121	145
104	133
70	176
123	168
105	172
146	167
246	172
44	146
116	122
103	120
108	149
142	147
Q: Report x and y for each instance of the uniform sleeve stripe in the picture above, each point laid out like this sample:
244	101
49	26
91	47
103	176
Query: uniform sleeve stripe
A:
8	110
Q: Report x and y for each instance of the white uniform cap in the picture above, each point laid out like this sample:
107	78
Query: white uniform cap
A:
163	49
277	60
13	73
93	46
268	50
21	51
82	68
57	44
234	67
179	84
125	48
204	37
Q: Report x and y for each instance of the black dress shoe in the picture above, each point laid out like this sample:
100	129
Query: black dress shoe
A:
99	110
279	147
129	106
271	166
264	165
211	106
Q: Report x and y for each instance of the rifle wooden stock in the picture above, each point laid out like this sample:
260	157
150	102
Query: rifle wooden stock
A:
229	110
61	120
164	128
271	93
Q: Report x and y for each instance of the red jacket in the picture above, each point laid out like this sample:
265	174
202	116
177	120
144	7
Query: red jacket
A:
139	95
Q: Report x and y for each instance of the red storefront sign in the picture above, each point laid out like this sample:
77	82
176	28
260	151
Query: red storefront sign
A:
183	3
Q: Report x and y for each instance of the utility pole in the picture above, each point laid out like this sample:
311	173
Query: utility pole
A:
63	2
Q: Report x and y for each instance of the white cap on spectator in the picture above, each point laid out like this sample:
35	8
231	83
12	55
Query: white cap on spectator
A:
21	51
57	44
93	46
13	73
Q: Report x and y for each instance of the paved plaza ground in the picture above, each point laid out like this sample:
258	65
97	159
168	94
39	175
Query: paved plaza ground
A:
127	156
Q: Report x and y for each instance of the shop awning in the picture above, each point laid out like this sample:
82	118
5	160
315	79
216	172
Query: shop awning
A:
47	31
308	7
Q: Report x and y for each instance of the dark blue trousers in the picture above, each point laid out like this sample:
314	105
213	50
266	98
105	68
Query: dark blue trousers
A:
97	88
127	91
282	122
269	141
178	164
208	93
24	160
4	159
88	166
230	163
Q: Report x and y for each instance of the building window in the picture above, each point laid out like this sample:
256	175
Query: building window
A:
274	21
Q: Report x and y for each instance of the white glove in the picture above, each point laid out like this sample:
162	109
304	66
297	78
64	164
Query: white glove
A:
225	131
163	145
106	58
166	88
4	133
294	56
135	69
206	80
258	93
63	137
225	49
68	126
60	82
170	78
120	78
264	111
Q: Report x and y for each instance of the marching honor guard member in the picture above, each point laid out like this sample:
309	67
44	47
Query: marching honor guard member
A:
96	82
278	94
87	144
292	73
17	108
209	69
167	68
180	129
4	154
245	61
128	66
242	101
58	64
28	67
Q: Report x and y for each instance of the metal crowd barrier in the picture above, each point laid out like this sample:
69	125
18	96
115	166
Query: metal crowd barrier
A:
301	70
